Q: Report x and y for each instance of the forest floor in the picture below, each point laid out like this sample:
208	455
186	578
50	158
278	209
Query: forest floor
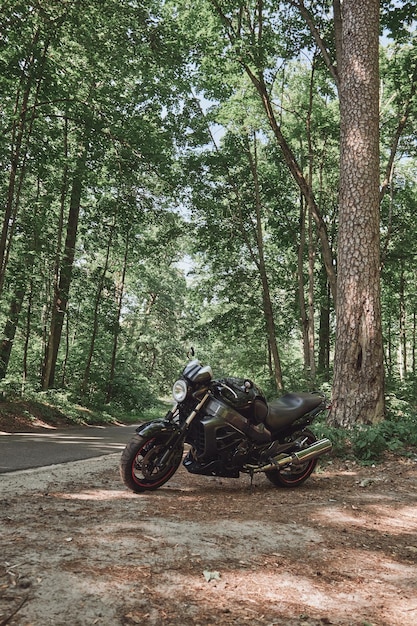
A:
77	548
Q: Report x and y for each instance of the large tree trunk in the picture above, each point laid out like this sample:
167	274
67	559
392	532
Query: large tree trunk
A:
358	391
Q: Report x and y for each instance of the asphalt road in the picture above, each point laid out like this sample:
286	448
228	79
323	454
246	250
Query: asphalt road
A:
20	451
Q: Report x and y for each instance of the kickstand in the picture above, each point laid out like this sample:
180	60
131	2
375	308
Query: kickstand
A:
251	481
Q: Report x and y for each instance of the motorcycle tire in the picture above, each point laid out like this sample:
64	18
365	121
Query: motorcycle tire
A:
294	475
139	468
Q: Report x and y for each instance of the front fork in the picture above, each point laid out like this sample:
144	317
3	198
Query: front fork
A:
176	434
196	410
180	434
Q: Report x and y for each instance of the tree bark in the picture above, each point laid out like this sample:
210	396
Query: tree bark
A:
413	347
21	130
266	295
358	389
121	290
61	294
10	329
311	246
97	302
403	332
301	295
324	328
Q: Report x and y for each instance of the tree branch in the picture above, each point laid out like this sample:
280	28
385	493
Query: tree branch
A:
402	122
299	4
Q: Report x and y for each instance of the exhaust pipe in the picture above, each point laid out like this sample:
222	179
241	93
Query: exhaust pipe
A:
297	458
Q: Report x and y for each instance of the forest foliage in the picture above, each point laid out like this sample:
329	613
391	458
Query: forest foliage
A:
149	203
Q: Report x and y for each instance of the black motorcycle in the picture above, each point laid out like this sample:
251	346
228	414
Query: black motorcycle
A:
230	428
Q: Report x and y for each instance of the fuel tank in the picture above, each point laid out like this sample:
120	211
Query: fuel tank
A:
222	412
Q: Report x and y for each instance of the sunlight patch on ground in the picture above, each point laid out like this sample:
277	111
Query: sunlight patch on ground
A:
401	521
285	593
96	494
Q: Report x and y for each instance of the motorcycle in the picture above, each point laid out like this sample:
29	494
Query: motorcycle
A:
230	428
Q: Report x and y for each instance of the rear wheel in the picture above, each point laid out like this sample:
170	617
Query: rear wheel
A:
294	475
147	463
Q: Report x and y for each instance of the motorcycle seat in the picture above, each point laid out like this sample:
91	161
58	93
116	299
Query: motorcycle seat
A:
284	411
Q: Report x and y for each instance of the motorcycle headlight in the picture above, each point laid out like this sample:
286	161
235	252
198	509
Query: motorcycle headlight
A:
180	390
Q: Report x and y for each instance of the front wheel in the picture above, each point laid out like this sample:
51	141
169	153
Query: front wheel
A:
294	475
147	463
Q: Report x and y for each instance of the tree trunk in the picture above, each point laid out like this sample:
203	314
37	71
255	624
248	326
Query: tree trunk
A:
266	295
389	355
97	302
110	383
62	291
413	347
324	328
10	330
27	335
311	329
358	389
403	332
301	295
32	73
311	246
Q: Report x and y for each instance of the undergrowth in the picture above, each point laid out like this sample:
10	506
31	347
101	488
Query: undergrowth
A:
367	443
57	407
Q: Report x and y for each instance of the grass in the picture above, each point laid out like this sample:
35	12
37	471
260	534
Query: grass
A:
57	409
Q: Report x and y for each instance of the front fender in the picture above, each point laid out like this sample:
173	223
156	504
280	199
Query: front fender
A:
165	426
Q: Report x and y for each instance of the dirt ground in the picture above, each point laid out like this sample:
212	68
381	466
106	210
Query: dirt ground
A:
78	549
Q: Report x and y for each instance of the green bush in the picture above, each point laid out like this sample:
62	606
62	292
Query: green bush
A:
338	436
367	443
132	396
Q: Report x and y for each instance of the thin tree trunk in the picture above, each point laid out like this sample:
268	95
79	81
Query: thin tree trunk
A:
324	328
99	293
61	294
266	295
117	324
67	348
402	122
305	187
27	337
301	295
311	244
311	329
413	350
16	144
10	329
403	333
22	129
389	347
